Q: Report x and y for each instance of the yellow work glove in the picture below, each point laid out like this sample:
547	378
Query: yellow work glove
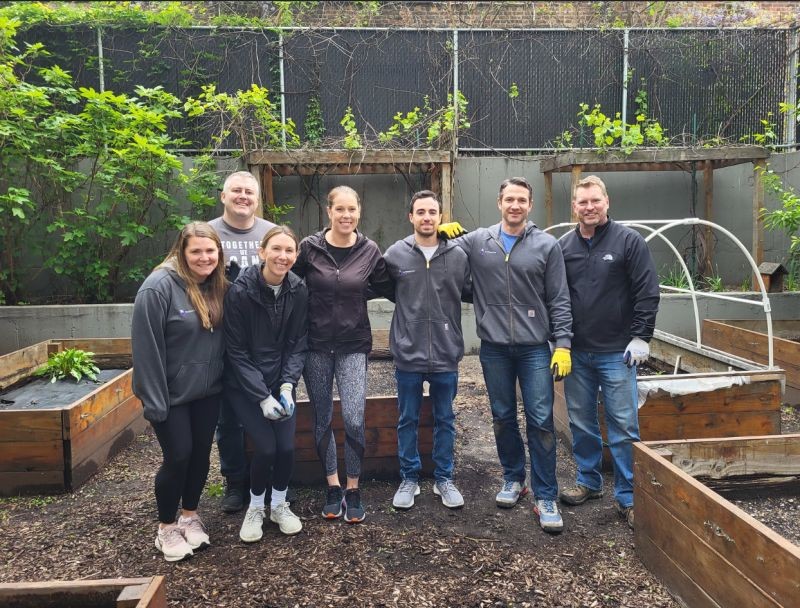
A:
451	230
561	363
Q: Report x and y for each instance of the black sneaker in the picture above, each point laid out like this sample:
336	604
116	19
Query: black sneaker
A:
233	501
353	511
333	503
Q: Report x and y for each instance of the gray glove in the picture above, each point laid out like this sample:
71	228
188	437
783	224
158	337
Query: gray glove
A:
272	408
287	401
636	352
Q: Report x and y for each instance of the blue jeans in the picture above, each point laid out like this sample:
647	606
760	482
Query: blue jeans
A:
502	366
607	372
230	442
443	386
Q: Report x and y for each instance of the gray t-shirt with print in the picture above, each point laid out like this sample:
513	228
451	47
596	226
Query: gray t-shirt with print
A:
238	245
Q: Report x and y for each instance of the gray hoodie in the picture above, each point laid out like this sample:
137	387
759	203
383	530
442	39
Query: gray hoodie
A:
521	298
175	359
426	332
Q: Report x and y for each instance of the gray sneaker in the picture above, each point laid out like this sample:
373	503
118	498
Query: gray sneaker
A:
549	516
510	493
451	497
404	497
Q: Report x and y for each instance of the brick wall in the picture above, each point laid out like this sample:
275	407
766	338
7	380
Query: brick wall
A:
512	14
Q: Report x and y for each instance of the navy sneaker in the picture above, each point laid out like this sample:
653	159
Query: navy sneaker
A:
333	503
353	511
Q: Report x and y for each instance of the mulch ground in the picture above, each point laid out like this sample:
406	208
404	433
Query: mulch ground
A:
429	556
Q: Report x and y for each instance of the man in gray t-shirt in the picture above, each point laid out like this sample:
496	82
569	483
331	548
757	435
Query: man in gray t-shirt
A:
241	233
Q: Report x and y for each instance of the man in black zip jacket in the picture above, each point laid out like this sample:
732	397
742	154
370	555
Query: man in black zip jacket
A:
613	287
431	277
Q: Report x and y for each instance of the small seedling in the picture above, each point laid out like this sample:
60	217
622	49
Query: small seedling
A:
72	362
215	490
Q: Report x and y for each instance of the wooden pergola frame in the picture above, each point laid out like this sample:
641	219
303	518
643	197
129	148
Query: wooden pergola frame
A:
665	159
437	164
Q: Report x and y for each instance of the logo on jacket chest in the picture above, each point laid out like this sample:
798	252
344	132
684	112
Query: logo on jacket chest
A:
608	258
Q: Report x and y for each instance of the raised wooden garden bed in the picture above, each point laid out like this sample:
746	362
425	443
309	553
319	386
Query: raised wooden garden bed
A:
380	456
746	401
56	448
748	339
708	552
148	592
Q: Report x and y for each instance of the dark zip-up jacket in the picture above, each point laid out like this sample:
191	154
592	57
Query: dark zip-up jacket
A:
426	334
520	297
613	285
175	359
337	311
266	337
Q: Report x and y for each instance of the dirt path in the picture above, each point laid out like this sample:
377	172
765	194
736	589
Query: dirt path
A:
429	556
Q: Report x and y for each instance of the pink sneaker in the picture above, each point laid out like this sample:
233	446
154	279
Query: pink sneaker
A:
172	544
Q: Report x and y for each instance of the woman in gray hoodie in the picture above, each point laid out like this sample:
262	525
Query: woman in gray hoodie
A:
178	347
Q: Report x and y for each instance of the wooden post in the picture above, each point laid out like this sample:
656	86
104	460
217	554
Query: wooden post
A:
548	197
708	188
577	170
447	193
267	195
758	222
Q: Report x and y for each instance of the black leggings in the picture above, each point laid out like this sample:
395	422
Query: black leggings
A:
272	442
185	438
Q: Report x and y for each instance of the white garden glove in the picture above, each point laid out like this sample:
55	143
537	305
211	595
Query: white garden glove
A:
272	409
636	352
286	399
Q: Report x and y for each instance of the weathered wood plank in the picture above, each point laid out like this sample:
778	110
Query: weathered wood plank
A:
14	483
86	411
150	592
347	157
719	458
31	456
723	548
754	397
304	439
30	425
21	363
90	448
639	159
655	428
379	412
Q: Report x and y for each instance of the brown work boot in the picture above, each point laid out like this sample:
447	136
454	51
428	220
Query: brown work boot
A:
627	513
578	494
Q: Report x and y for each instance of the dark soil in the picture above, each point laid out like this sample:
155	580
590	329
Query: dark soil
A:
39	393
429	556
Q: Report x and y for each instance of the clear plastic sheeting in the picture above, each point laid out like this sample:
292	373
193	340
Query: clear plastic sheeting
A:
685	386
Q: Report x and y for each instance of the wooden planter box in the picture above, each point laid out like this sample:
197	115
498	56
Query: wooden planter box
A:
708	552
58	449
748	339
380	457
752	408
146	592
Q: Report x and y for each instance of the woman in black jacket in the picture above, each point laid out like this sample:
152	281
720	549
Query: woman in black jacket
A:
342	269
265	334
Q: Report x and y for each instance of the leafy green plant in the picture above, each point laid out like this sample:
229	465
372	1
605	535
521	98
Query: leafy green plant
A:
314	124
428	124
94	168
714	283
674	277
249	116
513	91
73	362
215	490
352	140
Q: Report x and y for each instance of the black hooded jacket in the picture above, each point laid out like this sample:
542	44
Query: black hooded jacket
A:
266	338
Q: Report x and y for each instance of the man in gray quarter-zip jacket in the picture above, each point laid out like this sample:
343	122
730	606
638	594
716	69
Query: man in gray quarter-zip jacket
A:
521	304
431	277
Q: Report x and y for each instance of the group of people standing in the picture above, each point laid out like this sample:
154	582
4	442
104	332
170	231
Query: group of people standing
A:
211	352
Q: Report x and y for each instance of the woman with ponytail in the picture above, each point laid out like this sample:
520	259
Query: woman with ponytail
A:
178	347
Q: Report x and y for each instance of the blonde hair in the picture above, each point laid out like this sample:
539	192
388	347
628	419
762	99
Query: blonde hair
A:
589	181
207	301
343	190
276	230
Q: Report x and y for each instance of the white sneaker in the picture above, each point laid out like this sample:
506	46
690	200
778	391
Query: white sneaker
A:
287	521
194	531
451	497
172	544
404	497
251	526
